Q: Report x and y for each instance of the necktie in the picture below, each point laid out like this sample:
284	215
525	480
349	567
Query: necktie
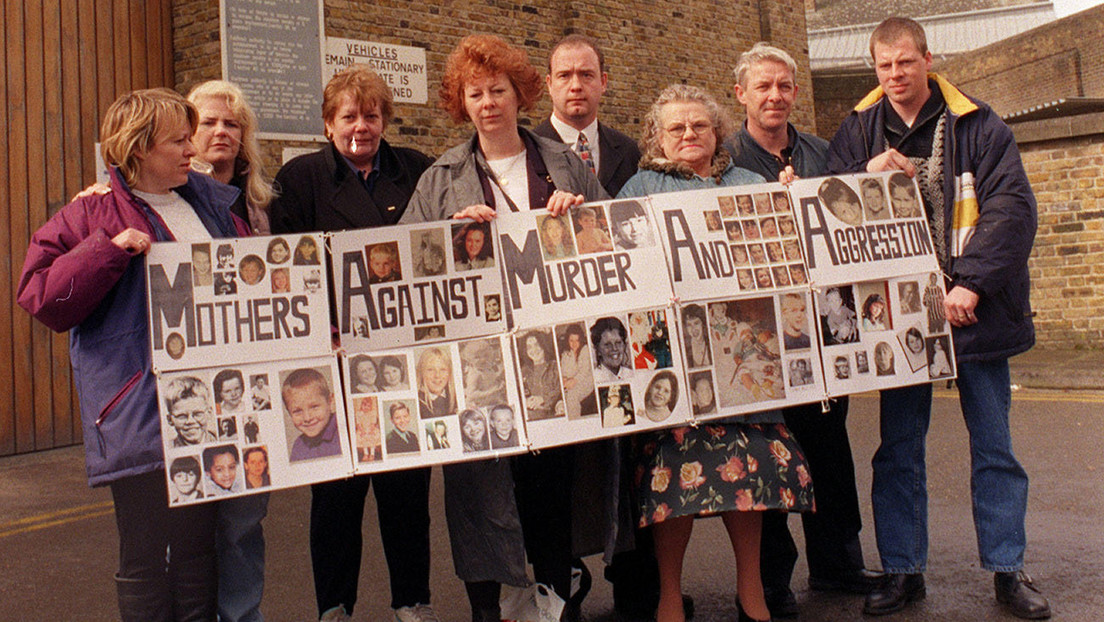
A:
582	147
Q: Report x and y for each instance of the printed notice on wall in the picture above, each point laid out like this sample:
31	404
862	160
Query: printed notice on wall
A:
402	67
273	51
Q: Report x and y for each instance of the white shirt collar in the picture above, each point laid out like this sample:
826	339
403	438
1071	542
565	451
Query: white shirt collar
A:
570	136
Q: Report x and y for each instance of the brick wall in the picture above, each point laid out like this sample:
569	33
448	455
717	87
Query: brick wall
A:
648	44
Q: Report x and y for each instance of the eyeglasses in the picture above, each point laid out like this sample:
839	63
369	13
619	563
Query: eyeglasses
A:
679	130
195	415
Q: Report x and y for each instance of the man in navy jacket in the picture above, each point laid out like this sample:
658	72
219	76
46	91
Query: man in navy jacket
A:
982	215
768	144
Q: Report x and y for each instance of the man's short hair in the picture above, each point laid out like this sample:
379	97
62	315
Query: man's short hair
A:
758	53
578	40
893	28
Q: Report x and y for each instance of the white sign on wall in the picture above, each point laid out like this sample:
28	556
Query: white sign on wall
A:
402	67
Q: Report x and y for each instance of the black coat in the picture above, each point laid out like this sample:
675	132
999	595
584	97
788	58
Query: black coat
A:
320	192
618	155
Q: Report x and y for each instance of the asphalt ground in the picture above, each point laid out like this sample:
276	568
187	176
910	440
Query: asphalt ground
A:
58	545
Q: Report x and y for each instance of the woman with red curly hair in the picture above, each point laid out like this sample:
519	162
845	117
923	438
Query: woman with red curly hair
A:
499	510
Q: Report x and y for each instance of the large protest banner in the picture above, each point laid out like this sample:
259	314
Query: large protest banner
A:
562	266
434	404
238	415
729	240
397	286
870	255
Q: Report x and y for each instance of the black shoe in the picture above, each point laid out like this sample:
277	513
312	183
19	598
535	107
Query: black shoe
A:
687	606
861	581
894	592
780	601
744	617
1018	595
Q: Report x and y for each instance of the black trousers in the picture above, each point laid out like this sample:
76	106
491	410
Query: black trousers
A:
337	512
832	542
542	489
166	555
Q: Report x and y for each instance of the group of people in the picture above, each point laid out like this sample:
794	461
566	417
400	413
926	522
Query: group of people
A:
189	169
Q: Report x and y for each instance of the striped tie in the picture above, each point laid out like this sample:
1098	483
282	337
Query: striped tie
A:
582	147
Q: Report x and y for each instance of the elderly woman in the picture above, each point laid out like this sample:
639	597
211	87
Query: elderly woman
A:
682	151
226	140
84	273
359	180
503	167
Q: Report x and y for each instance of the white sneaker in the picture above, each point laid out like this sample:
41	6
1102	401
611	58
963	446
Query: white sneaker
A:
337	614
417	613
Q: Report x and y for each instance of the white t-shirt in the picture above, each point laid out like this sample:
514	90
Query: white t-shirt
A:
512	173
178	215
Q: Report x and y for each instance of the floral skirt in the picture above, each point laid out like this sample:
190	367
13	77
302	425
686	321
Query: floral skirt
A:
721	467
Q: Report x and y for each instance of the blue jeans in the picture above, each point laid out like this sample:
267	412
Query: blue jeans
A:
998	484
241	554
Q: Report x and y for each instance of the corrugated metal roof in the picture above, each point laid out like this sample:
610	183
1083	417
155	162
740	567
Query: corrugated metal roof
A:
835	13
1065	107
847	47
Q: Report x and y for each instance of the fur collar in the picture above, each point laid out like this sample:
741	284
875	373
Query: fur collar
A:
721	162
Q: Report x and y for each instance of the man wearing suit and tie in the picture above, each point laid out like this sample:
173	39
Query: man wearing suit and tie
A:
576	81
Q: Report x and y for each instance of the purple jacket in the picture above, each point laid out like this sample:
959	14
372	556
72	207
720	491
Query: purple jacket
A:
75	279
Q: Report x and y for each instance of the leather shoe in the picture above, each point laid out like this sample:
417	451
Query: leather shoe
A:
1018	595
894	592
860	581
780	601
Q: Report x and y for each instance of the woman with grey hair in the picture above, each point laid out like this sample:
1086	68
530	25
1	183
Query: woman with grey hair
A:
682	151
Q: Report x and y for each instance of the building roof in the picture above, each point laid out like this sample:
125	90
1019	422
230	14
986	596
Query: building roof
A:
835	13
846	45
1064	107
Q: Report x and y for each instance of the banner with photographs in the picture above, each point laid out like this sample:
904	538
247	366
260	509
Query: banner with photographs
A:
881	235
750	354
601	376
885	333
236	301
739	239
562	266
433	404
249	428
397	286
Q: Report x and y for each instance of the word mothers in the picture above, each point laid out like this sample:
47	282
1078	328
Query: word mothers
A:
392	305
583	277
221	322
864	243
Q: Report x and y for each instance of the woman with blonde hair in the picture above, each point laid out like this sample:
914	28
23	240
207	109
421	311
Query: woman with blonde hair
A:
85	273
226	140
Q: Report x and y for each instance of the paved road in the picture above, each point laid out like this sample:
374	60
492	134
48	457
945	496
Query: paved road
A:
58	543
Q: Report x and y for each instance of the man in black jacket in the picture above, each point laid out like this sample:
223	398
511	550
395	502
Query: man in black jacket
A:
768	144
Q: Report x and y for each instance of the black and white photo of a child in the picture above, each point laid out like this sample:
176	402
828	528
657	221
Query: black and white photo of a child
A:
229	391
875	205
251	429
174	346
801	372
188	405
278	251
842	367
883	359
258	384
185	475
702	398
631	227
492	308
429	333
428	249
909	294
201	265
255	465
225	284
841	201
912	343
360	326
939	362
363	374
392	374
504	432
224	255
228	429
838	317
483	371
437	435
312	281
617	408
221	466
862	362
